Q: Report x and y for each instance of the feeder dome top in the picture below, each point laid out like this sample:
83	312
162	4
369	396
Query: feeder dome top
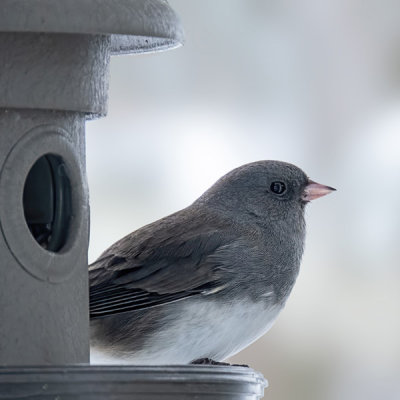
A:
135	26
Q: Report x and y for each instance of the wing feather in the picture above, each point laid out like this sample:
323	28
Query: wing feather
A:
163	262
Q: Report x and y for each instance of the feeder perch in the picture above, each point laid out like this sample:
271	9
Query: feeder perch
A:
54	67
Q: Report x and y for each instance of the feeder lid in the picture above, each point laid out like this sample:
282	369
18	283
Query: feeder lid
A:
135	26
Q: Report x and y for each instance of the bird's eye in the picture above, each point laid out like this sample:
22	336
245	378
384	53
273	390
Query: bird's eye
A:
278	187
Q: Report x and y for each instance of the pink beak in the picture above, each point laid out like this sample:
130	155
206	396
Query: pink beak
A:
315	190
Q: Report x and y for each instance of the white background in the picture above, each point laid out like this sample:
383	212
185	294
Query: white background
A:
314	83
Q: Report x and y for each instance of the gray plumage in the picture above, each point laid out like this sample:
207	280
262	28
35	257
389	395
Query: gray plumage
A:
162	294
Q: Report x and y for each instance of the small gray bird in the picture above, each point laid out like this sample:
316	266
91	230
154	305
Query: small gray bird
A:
209	280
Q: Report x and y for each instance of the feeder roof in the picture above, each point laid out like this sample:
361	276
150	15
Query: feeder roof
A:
135	26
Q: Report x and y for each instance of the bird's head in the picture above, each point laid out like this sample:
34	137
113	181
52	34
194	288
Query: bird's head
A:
264	189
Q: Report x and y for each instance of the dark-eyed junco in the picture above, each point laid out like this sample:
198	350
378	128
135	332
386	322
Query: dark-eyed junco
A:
210	279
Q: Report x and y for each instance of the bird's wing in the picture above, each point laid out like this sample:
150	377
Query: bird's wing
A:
152	267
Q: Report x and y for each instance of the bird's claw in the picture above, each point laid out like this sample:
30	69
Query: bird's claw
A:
209	361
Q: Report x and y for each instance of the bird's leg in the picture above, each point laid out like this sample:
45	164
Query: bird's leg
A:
209	361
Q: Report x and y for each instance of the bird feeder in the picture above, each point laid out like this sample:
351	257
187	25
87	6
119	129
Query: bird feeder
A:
54	67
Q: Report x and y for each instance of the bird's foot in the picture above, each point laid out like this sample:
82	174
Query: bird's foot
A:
209	361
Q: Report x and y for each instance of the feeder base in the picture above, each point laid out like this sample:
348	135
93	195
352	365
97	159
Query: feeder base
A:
131	382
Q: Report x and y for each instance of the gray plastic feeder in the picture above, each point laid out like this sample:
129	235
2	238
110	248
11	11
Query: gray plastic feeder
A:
54	67
133	383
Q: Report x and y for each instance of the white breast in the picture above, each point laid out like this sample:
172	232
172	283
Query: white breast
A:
204	328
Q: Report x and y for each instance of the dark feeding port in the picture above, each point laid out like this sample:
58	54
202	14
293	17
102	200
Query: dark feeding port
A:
47	202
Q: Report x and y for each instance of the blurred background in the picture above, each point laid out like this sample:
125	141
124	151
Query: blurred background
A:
315	83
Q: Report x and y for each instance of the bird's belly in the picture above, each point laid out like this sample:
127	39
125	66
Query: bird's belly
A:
205	329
